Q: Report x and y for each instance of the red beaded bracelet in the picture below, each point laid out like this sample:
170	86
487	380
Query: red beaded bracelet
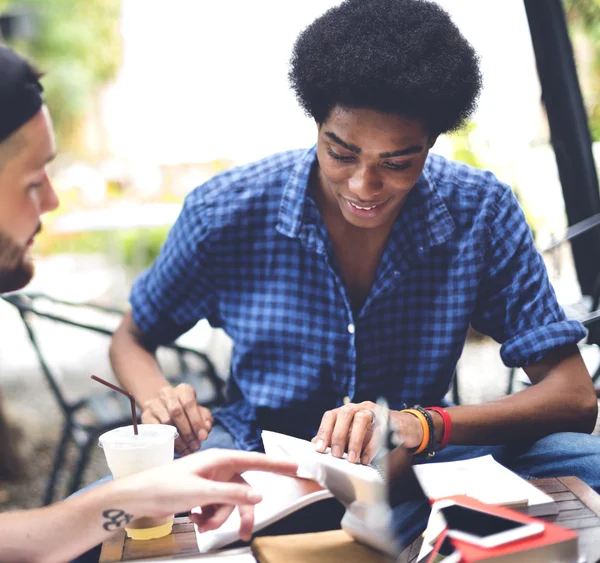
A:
447	425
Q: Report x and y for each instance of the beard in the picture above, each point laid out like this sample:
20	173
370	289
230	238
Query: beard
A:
16	266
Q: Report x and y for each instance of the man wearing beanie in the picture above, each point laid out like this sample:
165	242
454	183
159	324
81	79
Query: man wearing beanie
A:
67	529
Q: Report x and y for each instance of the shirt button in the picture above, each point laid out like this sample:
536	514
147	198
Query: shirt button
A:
351	328
346	399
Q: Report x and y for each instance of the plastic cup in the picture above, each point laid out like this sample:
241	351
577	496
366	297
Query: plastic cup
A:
127	453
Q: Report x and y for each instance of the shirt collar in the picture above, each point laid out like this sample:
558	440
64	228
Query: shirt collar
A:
424	220
291	209
427	216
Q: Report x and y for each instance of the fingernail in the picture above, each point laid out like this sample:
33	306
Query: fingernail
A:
352	457
202	435
208	424
336	451
319	444
253	496
365	460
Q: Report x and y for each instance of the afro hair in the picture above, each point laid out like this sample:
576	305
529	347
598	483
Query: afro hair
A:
405	57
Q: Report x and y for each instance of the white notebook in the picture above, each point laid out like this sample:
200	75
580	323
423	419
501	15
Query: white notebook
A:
486	480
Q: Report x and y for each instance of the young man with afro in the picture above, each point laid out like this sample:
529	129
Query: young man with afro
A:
352	270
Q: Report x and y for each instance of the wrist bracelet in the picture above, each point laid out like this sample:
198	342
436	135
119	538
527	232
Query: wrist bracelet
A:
425	426
429	450
447	425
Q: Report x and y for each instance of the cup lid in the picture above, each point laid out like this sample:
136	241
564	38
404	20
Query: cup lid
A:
148	434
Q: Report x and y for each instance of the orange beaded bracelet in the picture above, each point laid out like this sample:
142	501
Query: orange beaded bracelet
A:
425	426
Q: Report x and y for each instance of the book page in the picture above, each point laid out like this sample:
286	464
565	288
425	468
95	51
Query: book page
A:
349	482
360	488
282	495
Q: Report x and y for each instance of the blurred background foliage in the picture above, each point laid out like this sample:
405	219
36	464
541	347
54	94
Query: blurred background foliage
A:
583	18
466	149
135	249
77	44
463	146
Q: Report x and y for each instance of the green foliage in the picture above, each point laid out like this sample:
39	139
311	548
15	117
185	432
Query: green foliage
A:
140	247
462	146
583	18
464	150
134	249
588	11
78	47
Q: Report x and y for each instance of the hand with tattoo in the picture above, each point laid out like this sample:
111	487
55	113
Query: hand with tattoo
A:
210	479
115	519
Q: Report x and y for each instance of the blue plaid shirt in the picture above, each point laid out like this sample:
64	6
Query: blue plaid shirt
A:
251	254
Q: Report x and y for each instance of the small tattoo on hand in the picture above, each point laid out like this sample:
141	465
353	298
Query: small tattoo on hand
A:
116	518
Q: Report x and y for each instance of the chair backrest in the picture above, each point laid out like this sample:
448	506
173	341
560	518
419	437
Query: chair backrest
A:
75	329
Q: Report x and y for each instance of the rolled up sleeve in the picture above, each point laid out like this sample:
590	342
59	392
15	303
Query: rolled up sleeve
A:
516	303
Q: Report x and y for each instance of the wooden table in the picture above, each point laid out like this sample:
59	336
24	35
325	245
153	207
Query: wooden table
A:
578	504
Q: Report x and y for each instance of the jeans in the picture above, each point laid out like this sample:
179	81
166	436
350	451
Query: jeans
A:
556	455
219	437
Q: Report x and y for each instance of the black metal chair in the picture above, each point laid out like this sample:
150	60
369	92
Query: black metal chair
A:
87	417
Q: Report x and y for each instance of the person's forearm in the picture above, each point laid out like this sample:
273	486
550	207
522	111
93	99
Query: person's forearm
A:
562	400
135	367
530	414
67	529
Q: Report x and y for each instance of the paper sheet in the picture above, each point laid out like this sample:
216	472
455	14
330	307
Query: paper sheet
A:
485	479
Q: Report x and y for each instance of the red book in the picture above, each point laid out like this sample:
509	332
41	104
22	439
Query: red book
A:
554	544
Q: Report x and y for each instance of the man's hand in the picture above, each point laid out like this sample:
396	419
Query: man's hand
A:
352	427
209	479
178	406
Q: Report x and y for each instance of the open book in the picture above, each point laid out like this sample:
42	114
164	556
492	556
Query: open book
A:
360	489
484	479
348	482
282	495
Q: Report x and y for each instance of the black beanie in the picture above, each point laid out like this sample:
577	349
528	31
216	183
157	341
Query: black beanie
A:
20	92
